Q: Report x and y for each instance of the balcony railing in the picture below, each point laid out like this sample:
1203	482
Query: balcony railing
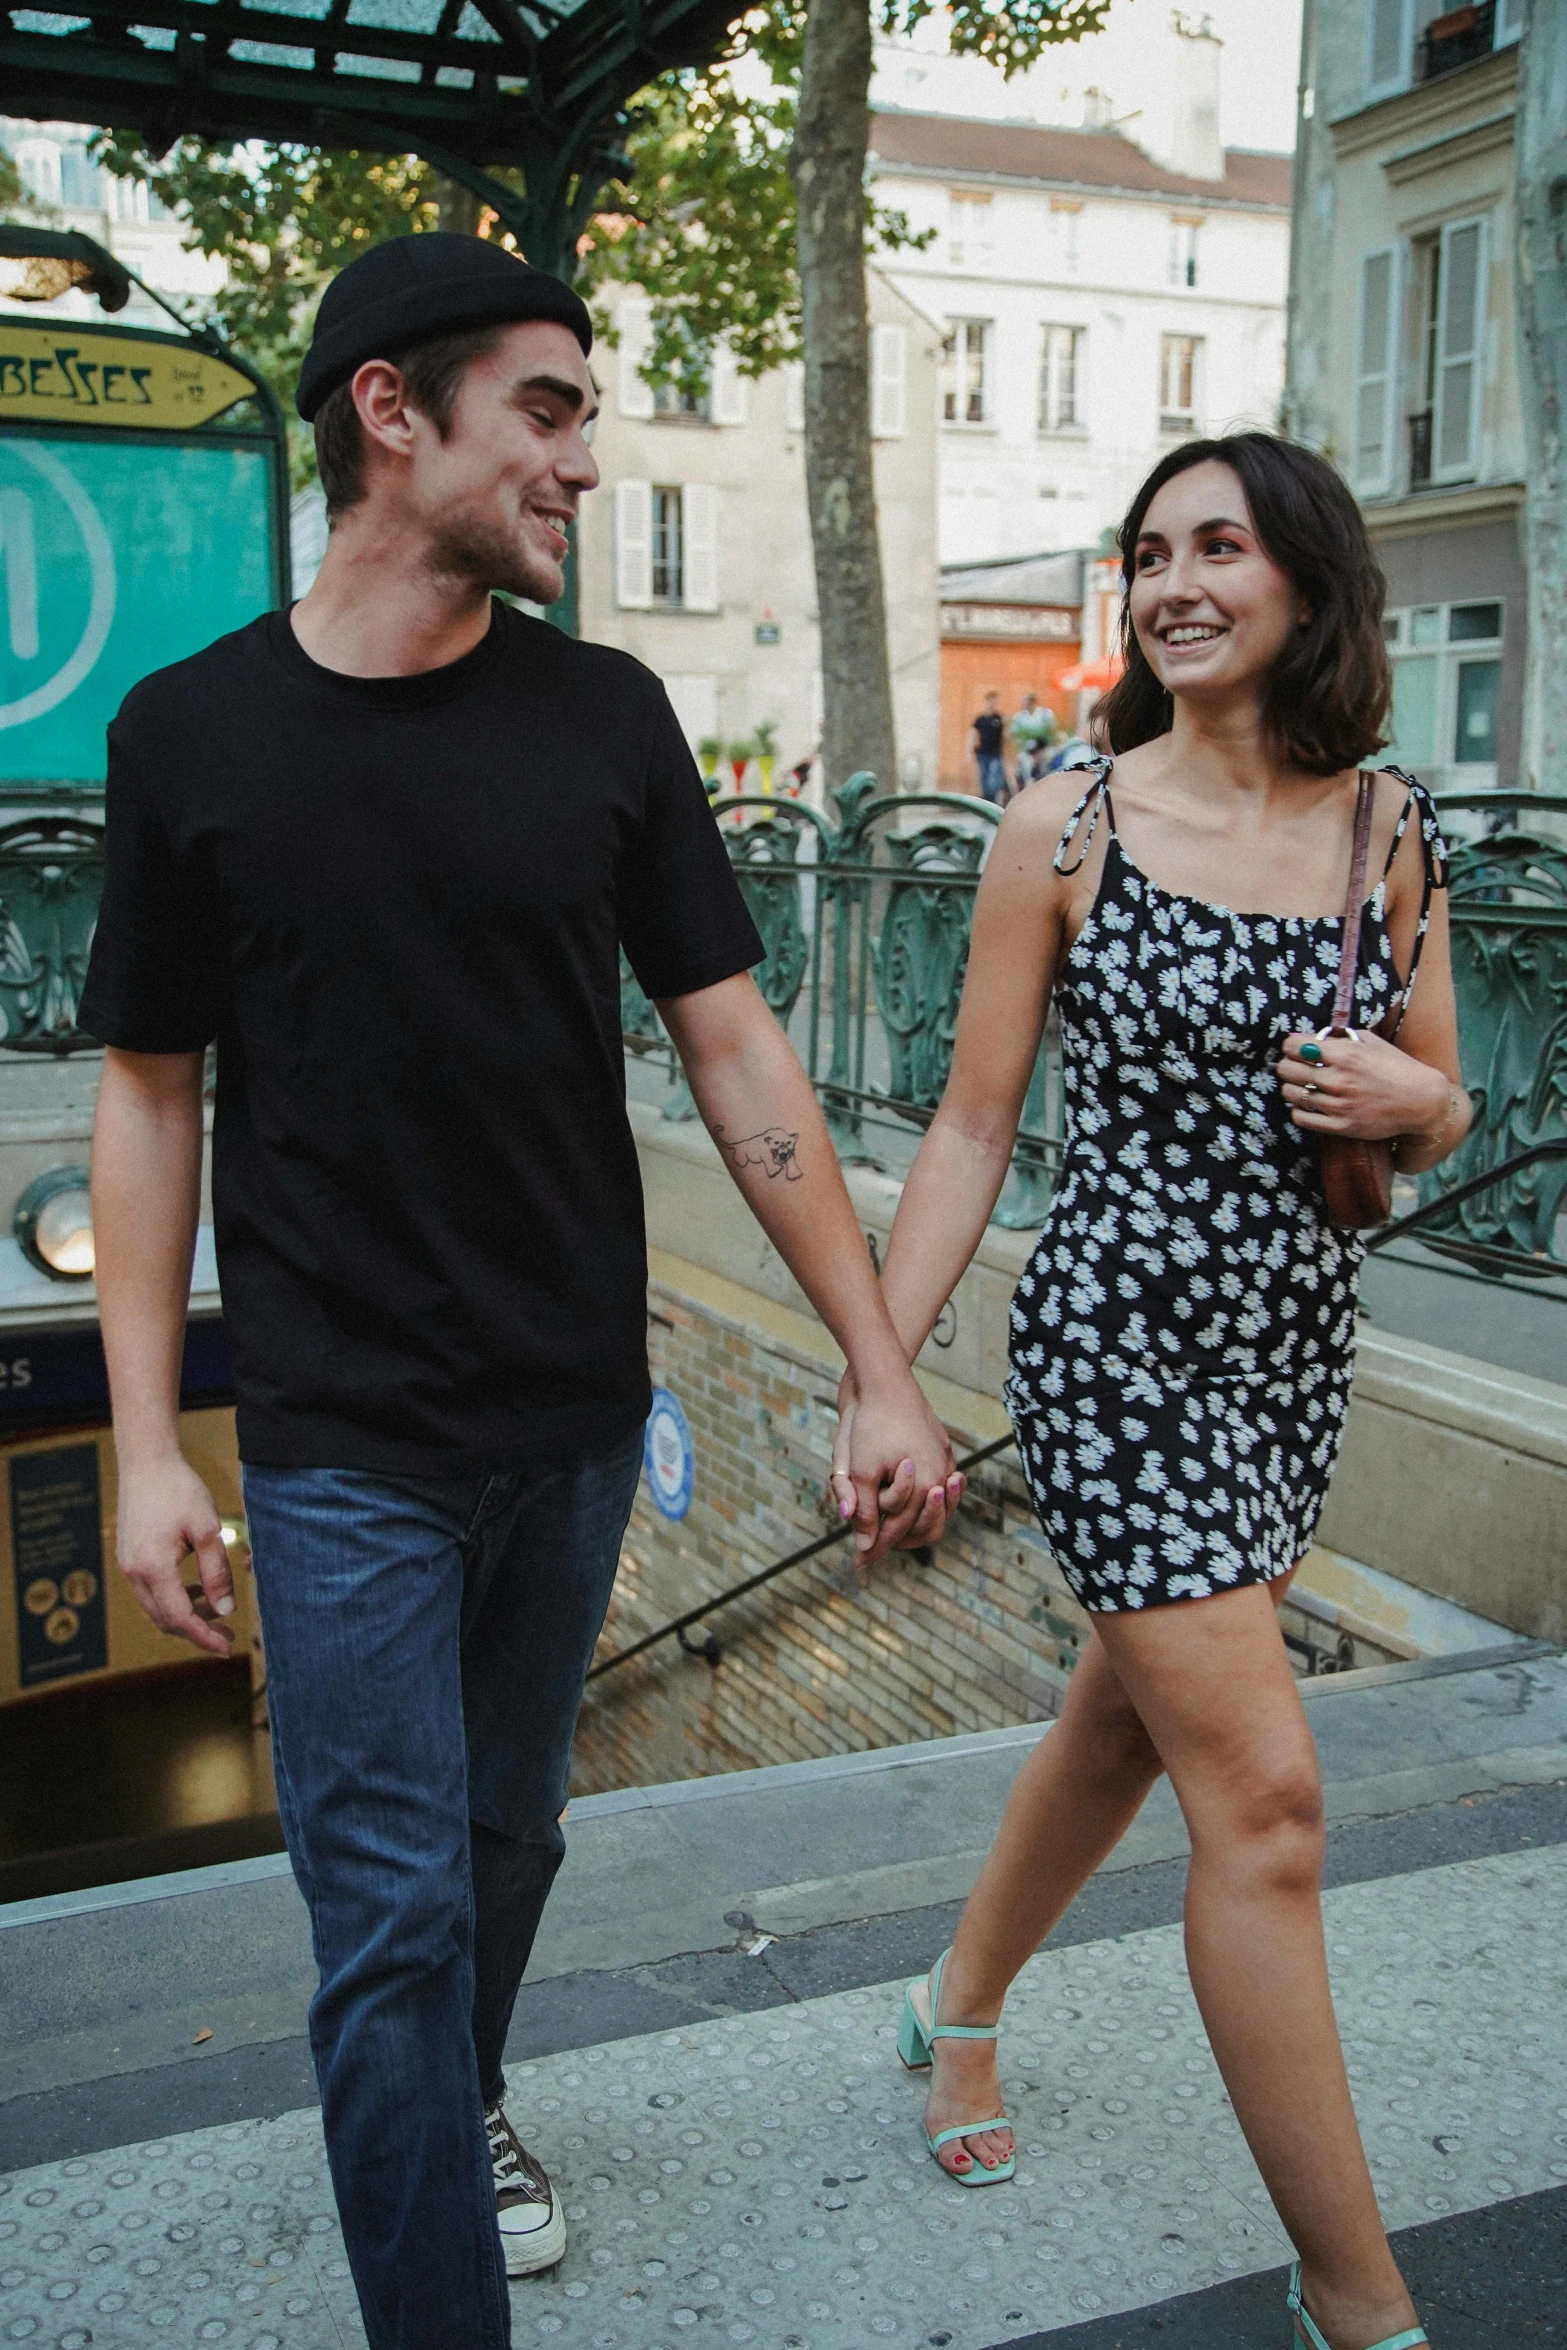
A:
1457	38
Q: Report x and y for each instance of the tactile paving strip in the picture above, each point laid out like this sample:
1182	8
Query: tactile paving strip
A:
760	2180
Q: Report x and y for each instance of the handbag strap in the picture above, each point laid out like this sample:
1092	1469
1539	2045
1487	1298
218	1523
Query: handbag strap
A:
1349	959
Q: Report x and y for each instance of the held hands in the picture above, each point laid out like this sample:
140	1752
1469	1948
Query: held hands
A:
1361	1086
165	1515
892	1469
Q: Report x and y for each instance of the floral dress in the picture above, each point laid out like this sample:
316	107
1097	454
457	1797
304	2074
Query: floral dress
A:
1183	1337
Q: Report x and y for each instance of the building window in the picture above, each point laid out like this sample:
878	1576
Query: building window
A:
668	547
1376	370
964	391
1183	252
38	169
1387	59
1178	363
1064	219
970	239
1059	359
678	399
1447	682
1444	431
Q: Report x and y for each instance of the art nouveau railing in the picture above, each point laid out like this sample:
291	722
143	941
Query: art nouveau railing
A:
1508	903
866	926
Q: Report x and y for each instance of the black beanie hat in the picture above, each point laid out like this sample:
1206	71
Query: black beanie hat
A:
415	288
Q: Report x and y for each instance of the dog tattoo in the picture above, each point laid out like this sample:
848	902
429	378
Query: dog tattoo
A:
774	1150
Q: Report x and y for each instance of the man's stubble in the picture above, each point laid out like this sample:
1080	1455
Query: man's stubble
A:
468	549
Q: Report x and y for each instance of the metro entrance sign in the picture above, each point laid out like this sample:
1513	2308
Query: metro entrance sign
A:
143	512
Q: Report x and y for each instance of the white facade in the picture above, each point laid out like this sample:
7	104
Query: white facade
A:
1098	308
1404	361
64	188
695	552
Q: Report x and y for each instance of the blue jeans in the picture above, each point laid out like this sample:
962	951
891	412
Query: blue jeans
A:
992	777
427	1640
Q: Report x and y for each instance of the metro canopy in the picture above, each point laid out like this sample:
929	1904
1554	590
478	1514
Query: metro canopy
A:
471	85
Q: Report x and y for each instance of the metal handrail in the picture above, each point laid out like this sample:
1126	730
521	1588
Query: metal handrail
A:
678	1626
1429	1210
797	1558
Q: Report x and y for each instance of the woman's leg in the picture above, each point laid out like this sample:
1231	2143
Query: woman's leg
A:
1070	1805
1212	1685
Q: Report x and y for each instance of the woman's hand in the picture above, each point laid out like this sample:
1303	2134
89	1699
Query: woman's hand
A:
1363	1086
894	1498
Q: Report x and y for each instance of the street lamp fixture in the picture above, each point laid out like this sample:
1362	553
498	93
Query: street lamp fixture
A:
53	1224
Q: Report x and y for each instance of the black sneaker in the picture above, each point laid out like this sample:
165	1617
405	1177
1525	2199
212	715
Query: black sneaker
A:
533	2226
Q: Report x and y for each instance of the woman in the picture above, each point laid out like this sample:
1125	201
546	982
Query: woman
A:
1182	1339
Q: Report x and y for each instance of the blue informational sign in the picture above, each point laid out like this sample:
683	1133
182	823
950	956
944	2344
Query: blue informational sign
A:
668	1455
57	1559
117	556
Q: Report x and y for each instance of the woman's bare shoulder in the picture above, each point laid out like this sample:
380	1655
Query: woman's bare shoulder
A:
1043	810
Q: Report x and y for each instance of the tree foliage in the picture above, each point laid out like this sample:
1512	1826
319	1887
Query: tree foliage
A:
704	221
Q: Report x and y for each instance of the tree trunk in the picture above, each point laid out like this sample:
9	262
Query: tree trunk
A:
827	165
1541	132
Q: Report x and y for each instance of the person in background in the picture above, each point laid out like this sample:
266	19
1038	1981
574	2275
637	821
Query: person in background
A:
985	743
1033	732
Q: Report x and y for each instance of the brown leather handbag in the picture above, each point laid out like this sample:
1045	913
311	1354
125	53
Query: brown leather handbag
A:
1357	1176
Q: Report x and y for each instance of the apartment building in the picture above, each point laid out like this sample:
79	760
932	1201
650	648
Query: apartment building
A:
1403	363
1098	302
64	187
695	554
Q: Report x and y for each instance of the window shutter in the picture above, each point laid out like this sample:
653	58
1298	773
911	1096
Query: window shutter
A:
889	382
1375	372
699	526
1387	64
634	319
1455	432
731	400
794	396
634	545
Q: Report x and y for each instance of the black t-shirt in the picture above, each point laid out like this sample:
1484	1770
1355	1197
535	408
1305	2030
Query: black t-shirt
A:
988	726
397	904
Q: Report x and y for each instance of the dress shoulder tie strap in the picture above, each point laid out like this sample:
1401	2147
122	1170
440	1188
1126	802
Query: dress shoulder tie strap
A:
1095	798
1433	850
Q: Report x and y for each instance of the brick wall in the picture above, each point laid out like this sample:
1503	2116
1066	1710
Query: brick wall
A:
824	1661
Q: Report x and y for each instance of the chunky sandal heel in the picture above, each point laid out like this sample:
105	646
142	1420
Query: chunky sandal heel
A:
915	2037
1308	2332
913	2046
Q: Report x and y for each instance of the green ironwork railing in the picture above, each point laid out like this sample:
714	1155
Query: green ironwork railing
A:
866	926
866	920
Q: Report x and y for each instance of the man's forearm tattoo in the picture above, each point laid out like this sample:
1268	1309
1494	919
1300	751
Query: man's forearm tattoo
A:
773	1150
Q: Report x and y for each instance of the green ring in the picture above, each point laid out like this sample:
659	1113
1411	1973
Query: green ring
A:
1311	1053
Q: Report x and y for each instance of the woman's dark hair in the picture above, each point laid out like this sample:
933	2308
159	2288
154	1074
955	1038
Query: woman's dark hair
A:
1329	691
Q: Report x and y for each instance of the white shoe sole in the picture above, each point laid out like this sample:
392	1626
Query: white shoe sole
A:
540	2248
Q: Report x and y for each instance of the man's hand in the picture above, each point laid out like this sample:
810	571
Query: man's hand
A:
165	1515
892	1469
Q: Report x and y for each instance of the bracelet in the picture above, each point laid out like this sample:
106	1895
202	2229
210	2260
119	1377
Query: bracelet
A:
1455	1100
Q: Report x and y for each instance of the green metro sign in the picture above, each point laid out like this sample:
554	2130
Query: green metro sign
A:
123	545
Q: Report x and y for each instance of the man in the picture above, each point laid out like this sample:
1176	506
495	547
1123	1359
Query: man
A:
384	848
985	743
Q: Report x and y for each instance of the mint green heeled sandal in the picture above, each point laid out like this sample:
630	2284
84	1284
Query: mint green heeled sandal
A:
915	2035
1308	2331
